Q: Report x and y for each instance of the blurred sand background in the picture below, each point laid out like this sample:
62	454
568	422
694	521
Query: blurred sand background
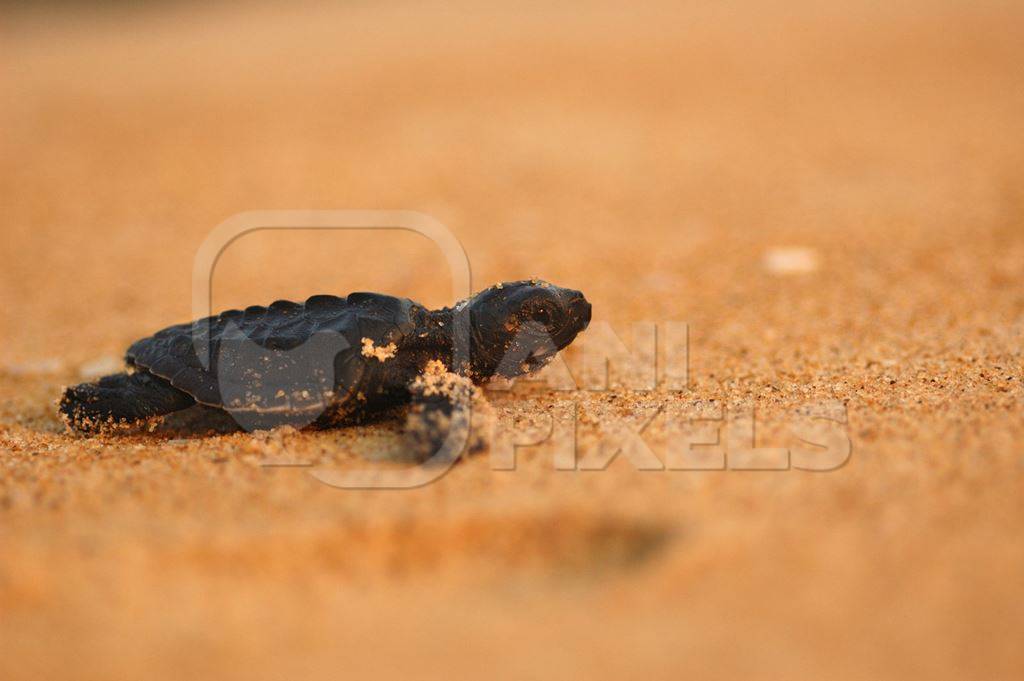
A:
654	157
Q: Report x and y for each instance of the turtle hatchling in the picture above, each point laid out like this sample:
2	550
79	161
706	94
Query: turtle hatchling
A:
334	361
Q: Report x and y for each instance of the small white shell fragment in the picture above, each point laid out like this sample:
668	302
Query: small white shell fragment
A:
790	260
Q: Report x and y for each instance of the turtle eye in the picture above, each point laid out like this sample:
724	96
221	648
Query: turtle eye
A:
543	314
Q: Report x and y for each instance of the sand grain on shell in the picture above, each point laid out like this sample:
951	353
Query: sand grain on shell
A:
381	353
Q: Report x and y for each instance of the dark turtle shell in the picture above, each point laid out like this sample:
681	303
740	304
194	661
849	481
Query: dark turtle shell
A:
287	357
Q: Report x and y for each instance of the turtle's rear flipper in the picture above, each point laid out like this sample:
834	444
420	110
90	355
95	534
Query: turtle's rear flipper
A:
120	399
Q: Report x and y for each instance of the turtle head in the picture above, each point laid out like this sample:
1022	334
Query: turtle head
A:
517	327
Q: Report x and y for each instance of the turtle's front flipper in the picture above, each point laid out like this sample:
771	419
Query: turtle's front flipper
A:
120	399
445	416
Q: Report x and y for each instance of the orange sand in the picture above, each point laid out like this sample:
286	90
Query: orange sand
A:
831	194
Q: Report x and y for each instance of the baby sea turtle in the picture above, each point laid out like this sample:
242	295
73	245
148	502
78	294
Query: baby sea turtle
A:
332	361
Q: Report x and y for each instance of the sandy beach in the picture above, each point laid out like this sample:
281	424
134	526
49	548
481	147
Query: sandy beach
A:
830	198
